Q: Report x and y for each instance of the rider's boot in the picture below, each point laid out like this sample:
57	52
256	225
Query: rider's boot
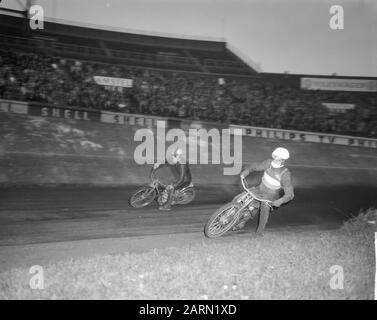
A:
258	234
164	208
167	205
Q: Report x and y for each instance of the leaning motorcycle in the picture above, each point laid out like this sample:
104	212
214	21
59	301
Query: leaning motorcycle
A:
233	213
157	191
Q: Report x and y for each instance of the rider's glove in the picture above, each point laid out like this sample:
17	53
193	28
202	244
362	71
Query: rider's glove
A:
156	165
276	203
242	176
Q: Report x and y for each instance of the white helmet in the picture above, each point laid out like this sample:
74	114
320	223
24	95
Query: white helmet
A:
176	156
177	152
282	153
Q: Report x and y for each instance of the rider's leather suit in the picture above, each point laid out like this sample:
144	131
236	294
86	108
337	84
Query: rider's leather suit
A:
183	172
273	181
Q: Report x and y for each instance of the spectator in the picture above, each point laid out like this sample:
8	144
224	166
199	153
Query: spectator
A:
185	95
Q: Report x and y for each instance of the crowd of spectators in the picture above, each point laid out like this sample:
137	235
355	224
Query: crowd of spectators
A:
247	101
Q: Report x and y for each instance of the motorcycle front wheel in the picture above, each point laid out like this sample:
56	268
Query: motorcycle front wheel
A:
222	221
142	197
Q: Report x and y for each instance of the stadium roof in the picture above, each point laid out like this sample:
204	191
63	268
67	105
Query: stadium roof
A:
97	32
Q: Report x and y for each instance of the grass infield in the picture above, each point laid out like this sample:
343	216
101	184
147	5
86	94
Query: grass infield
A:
281	265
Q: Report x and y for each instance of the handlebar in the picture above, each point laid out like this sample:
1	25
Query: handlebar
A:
155	182
253	195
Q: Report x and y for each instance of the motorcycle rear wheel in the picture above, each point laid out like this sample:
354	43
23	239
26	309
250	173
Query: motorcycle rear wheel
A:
187	196
222	221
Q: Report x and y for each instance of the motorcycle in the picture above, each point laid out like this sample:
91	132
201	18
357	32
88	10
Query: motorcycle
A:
233	213
157	191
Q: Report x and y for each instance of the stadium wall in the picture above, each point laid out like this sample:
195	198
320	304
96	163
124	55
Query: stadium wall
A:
48	145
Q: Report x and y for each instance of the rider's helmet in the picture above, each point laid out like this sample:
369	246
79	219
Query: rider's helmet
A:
279	155
176	155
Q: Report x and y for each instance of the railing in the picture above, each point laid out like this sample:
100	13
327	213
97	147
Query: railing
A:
140	119
138	56
223	63
78	49
19	41
58	47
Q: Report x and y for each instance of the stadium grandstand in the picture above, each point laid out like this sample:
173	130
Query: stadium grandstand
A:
63	65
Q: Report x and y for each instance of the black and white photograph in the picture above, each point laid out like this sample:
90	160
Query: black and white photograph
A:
203	152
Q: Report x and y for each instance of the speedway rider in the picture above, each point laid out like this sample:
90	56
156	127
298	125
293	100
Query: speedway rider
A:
275	177
183	181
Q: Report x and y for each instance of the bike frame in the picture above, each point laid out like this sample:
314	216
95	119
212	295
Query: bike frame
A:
253	197
160	187
157	185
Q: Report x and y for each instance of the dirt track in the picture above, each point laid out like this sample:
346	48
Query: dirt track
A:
331	182
40	214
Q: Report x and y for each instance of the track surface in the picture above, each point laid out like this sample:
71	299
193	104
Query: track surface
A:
40	214
38	150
